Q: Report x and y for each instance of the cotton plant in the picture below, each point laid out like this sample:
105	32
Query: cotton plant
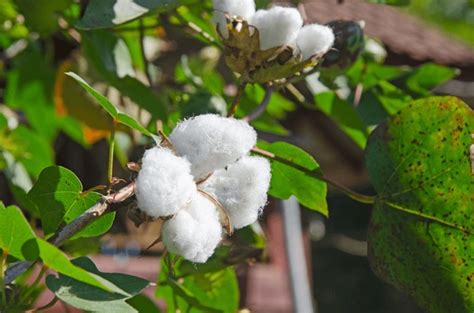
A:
269	46
204	179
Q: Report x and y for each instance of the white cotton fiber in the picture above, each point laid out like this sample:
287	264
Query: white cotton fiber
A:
211	142
314	40
277	26
195	231
242	189
164	183
240	8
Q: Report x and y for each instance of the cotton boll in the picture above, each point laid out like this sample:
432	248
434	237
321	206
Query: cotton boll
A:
241	8
242	189
314	39
277	26
164	183
211	142
195	231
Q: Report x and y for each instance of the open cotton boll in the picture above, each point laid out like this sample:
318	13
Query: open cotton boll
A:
242	189
195	231
277	26
164	184
241	8
211	142
314	39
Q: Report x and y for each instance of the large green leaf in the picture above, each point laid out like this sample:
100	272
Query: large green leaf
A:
118	116
421	236
110	13
289	180
59	197
90	298
18	240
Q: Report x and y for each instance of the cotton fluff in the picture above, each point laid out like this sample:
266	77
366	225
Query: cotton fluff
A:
277	26
241	8
242	189
210	142
195	231
314	40
164	184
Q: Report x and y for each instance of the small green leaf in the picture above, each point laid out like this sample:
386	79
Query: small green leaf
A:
428	76
110	108
14	231
103	101
421	236
110	13
344	115
288	180
90	298
58	195
199	291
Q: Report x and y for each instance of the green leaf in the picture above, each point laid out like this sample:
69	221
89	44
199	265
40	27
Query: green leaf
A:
90	298
428	76
300	182
110	108
35	151
110	13
18	240
42	15
142	303
344	115
421	236
58	195
202	291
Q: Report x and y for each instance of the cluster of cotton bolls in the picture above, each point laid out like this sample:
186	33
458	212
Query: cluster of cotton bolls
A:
207	169
277	27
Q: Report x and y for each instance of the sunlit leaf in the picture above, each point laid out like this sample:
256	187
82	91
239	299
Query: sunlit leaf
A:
59	197
288	180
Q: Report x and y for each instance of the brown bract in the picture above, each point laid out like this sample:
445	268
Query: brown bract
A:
271	66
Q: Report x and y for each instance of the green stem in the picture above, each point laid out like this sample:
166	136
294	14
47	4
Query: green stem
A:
318	175
236	101
110	167
3	263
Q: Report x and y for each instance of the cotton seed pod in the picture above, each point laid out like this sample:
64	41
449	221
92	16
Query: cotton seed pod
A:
240	8
314	40
242	189
194	232
164	184
211	142
277	26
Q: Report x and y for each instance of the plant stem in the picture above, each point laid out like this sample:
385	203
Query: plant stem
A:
318	175
236	101
47	306
262	107
142	51
110	166
3	262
